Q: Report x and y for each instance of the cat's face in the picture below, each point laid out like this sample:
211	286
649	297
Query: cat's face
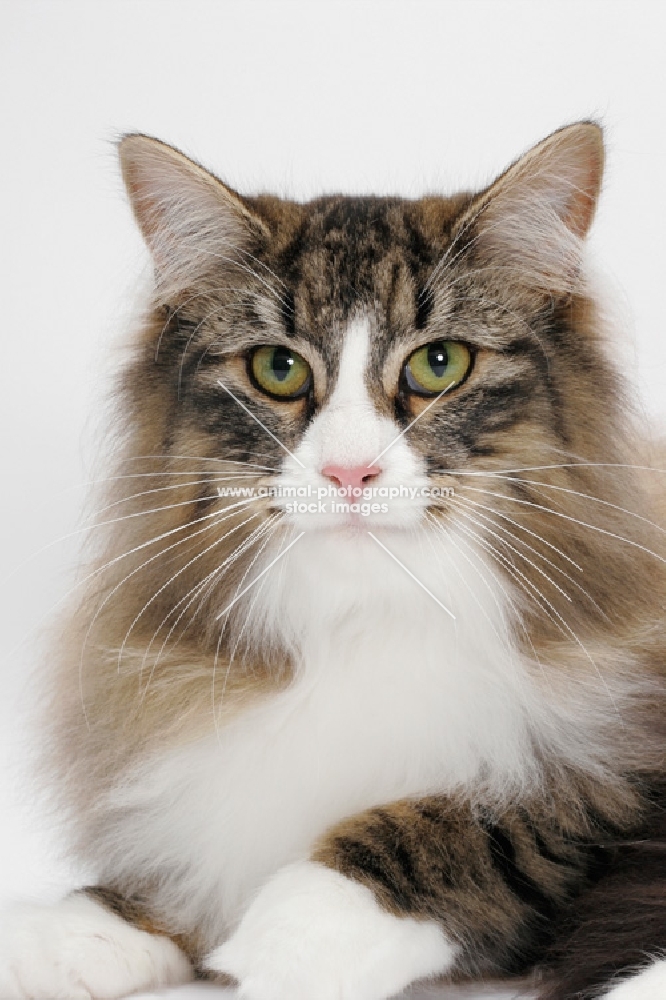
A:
369	343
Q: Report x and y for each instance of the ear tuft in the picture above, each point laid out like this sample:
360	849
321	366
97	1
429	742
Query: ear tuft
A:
191	221
534	217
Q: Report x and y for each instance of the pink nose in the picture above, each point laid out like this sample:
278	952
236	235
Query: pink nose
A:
358	476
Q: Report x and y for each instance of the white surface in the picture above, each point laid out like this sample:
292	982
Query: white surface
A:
519	991
297	97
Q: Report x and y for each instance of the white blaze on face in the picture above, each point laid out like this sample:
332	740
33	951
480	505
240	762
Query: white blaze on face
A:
349	432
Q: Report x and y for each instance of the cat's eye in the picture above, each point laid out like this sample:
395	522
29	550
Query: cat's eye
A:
280	372
437	366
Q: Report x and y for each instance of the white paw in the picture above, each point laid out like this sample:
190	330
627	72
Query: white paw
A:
79	950
647	985
312	934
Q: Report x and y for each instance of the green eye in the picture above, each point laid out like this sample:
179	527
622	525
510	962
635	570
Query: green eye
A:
437	366
280	372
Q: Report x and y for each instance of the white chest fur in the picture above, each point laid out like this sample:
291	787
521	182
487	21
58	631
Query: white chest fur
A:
393	698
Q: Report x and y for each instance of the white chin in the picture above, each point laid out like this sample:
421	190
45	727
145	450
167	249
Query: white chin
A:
352	523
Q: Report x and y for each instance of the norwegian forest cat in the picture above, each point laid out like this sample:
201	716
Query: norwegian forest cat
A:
368	681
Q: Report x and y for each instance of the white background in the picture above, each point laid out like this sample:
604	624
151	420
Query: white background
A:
298	98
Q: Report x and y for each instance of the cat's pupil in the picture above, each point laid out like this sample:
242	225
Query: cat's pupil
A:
283	360
438	359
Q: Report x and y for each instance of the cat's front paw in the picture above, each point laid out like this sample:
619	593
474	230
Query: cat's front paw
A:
312	934
78	950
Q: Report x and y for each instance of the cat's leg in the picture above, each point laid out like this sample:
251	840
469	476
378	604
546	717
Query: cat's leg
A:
93	944
397	894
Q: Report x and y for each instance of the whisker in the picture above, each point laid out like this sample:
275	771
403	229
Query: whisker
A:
89	527
248	270
495	533
552	610
574	520
540	555
216	709
447	261
209	578
589	496
516	524
540	468
194	592
197	458
496	578
178	486
123	555
256	260
271	521
449	538
220	515
281	553
175	576
523	582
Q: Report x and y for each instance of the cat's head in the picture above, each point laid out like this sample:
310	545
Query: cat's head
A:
390	349
372	342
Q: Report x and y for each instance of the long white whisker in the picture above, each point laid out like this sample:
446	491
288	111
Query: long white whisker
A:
195	590
177	486
202	588
496	578
175	576
449	538
540	468
410	574
124	555
540	555
521	527
280	554
215	711
261	424
552	610
193	458
220	515
574	520
210	578
410	424
589	496
272	526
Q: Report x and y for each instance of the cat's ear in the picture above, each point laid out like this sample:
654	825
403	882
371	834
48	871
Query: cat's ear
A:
192	223
533	219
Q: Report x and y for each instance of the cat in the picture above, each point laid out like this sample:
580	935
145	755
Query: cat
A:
367	684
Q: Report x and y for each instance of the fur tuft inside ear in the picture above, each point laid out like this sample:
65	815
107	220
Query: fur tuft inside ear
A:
534	217
193	224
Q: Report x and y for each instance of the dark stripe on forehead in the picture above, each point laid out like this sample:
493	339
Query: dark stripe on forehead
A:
360	218
420	251
288	309
288	259
424	306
